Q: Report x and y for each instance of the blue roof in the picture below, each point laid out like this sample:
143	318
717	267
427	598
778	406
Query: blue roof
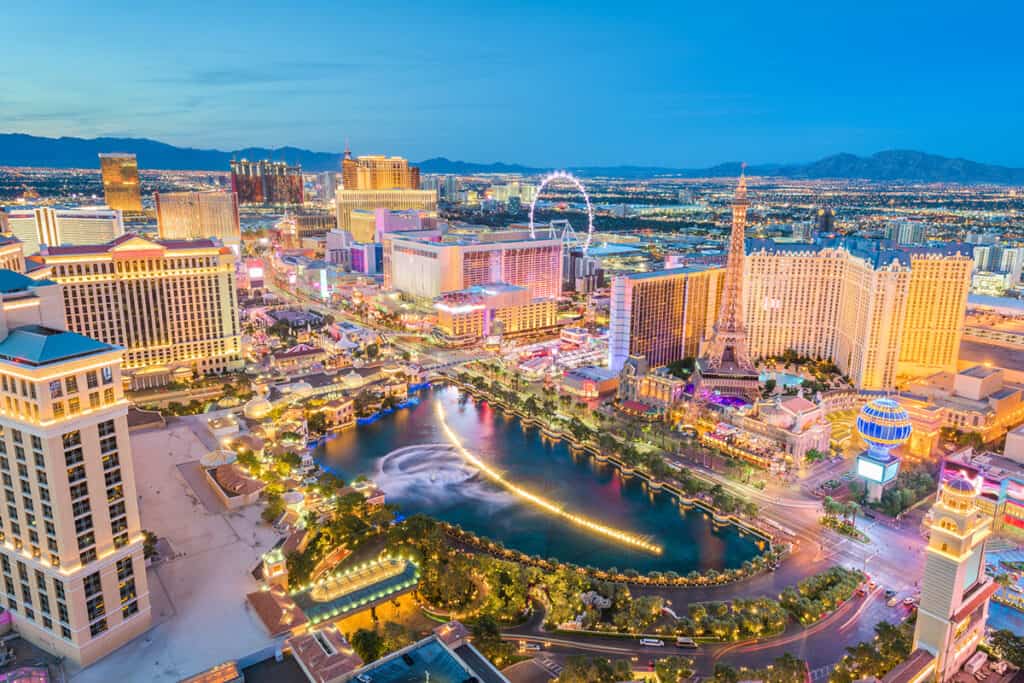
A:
877	252
38	345
612	249
11	281
428	657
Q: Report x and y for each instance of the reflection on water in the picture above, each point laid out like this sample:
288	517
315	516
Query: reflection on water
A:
432	474
407	455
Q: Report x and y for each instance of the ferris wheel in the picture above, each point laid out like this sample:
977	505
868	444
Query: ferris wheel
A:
569	233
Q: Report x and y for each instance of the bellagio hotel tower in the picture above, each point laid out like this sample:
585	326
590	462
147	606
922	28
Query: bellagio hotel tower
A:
71	560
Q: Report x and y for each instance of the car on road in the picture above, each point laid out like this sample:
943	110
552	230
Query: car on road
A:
652	642
909	601
893	601
527	646
687	643
889	592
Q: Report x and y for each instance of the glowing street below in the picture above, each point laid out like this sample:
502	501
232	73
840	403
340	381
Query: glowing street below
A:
543	503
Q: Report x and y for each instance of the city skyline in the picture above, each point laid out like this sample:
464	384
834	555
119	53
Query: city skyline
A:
687	87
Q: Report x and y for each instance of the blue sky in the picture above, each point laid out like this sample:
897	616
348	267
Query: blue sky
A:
682	84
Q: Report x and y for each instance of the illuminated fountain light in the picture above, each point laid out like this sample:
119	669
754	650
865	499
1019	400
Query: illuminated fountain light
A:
595	527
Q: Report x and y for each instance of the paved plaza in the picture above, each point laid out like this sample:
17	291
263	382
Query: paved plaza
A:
204	582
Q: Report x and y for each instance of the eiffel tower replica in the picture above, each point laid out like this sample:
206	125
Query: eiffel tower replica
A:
725	366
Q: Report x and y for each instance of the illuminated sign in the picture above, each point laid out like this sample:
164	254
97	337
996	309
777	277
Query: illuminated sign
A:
880	473
256	272
870	470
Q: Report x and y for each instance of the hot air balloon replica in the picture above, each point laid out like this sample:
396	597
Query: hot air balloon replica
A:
884	425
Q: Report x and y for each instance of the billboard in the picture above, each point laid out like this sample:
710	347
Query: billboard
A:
878	472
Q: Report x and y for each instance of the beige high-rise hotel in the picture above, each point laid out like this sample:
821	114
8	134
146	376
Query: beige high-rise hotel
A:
378	172
171	304
379	182
71	548
880	314
198	215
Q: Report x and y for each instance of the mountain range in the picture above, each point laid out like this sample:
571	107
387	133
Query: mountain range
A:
18	149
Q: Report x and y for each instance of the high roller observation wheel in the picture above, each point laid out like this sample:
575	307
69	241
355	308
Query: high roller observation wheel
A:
564	175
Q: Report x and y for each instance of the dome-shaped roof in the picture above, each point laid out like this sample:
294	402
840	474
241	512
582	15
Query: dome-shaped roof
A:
883	423
960	485
257	408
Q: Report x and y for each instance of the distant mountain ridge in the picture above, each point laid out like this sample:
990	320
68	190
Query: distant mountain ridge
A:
18	149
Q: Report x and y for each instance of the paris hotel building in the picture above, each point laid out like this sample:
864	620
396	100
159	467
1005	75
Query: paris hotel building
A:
877	311
170	304
71	548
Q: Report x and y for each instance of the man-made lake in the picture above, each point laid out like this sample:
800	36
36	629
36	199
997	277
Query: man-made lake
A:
408	455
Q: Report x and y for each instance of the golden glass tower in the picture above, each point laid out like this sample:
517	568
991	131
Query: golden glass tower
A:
121	181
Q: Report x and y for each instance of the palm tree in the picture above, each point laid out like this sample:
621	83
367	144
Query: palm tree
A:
850	511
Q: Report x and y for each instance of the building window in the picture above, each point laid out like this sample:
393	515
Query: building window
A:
71	384
98	627
56	389
108	375
73	457
125	569
72	439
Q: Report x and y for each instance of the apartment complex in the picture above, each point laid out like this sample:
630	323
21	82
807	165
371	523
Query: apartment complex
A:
171	304
54	227
662	315
878	312
71	553
121	190
198	215
267	183
378	172
470	315
425	265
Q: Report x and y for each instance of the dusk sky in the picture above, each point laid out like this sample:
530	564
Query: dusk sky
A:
682	84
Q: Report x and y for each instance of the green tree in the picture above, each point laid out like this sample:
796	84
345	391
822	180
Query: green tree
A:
580	669
148	544
487	639
317	422
368	644
273	509
1009	646
673	669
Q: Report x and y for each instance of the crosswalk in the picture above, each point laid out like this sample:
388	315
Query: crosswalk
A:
821	674
549	664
